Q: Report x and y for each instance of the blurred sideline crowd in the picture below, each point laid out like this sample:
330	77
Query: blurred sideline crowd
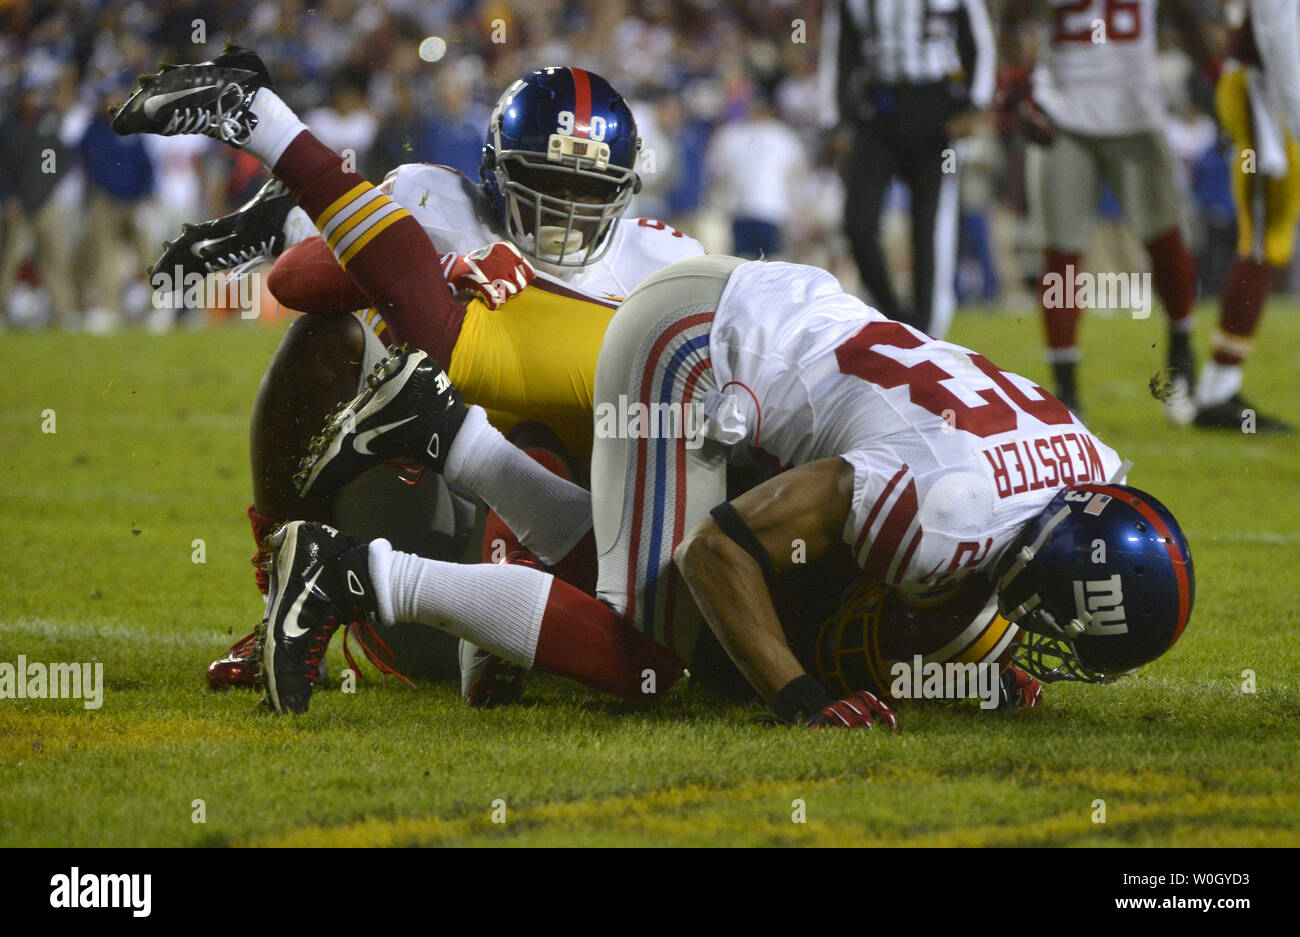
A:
726	97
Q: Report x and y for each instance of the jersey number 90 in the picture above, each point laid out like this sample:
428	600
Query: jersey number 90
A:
595	130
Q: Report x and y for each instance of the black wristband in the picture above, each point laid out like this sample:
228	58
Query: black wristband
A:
803	696
730	523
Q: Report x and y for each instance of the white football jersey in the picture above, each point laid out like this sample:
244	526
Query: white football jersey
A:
455	214
952	456
1098	75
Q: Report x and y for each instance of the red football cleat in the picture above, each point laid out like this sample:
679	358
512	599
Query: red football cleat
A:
238	668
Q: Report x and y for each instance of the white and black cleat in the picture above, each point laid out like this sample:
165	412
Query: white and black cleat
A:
408	410
320	579
210	98
1240	416
252	233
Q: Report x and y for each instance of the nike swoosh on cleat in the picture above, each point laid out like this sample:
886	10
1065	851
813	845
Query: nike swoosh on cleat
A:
290	626
366	405
362	442
204	245
157	101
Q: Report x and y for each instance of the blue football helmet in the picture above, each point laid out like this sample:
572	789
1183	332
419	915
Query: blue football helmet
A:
560	164
1100	583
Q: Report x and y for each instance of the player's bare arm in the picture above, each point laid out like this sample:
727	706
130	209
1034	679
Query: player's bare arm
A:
722	568
808	504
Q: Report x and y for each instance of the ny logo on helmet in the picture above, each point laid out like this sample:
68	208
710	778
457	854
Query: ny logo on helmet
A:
1100	605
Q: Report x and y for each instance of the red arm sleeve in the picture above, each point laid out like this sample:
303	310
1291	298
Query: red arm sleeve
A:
307	278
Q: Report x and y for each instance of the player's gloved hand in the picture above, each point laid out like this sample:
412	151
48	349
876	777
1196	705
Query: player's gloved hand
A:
495	271
1022	114
805	702
1035	124
860	710
487	681
1019	690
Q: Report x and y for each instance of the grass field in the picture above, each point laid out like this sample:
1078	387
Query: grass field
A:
97	530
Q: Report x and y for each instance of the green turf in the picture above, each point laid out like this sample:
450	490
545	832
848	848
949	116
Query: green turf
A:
96	545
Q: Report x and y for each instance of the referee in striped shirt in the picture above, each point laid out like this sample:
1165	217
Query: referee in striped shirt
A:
906	78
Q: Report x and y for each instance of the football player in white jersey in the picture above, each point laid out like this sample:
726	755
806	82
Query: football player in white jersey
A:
563	211
939	471
1097	85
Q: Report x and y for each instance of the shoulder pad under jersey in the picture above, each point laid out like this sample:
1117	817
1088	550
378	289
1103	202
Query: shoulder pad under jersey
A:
644	247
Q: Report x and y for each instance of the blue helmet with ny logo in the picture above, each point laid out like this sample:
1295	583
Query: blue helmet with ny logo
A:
1100	583
560	164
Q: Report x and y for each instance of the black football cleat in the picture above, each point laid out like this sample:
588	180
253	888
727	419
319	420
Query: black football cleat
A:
1236	414
252	233
320	579
212	98
1071	400
409	410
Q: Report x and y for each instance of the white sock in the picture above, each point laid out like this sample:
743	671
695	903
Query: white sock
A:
499	607
276	127
1217	383
548	514
298	227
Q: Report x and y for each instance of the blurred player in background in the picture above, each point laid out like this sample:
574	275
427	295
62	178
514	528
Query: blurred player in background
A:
758	164
558	172
1258	101
29	210
1102	110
